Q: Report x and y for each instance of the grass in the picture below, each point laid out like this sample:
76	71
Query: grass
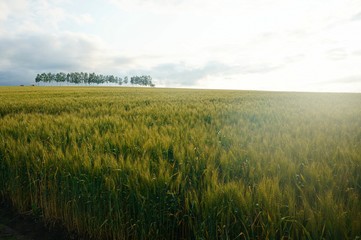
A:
136	163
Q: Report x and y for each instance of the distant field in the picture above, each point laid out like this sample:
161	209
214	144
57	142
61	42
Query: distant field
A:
141	163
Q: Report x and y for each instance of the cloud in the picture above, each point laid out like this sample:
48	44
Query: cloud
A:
9	7
156	6
259	68
203	8
147	3
122	61
171	74
336	54
261	43
351	83
20	16
347	80
356	17
83	19
357	53
151	6
183	75
48	53
15	77
41	51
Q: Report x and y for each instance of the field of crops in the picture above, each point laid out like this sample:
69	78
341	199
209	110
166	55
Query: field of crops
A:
140	163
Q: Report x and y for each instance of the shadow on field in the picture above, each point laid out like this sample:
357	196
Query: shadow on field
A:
15	226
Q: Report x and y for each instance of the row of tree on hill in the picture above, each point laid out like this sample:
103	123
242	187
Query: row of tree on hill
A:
92	78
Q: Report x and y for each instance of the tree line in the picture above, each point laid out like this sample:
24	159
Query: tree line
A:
92	78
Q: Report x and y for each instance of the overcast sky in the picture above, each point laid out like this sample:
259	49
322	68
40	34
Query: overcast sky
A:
292	45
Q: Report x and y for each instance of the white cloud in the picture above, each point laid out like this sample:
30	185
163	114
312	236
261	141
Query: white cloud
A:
44	53
9	8
83	19
260	44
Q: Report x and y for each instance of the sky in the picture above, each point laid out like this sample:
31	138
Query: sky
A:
276	45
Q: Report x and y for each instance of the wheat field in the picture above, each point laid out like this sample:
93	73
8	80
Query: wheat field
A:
141	163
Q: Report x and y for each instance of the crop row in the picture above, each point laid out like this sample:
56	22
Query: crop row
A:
129	163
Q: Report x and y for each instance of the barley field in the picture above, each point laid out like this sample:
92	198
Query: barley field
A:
141	163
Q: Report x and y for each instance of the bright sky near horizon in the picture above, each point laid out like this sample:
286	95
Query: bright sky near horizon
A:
281	45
